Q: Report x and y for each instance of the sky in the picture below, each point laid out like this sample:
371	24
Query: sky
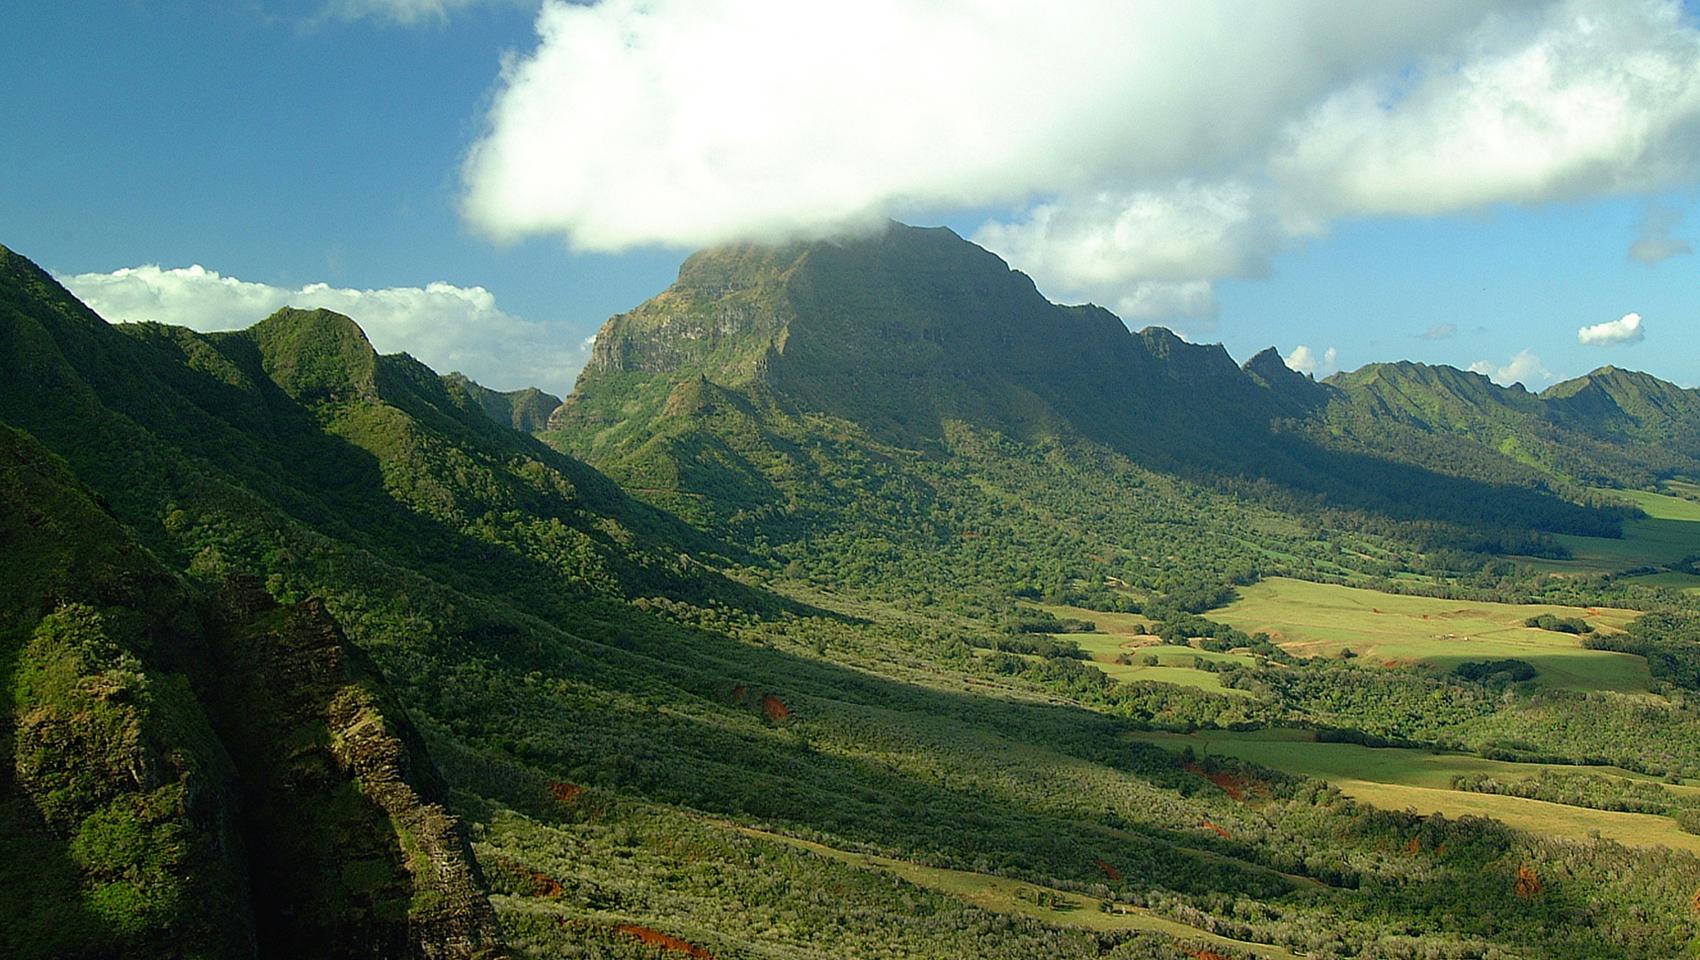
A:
1506	188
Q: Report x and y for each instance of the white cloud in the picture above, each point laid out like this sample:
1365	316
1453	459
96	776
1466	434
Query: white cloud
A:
1524	368
1601	97
683	122
1191	300
1305	360
1653	240
1625	329
1440	331
1140	152
445	326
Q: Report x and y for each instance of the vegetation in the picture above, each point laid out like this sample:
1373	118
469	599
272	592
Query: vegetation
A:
856	652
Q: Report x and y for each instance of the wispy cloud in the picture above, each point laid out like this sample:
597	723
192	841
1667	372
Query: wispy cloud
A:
1653	241
1440	331
407	13
1625	329
447	327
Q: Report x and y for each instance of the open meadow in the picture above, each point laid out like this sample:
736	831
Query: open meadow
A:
1318	619
1396	779
1669	534
1116	636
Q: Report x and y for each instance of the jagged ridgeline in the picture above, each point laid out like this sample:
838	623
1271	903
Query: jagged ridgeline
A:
879	384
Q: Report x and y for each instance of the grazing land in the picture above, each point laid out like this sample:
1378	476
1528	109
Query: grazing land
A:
1116	638
1668	535
1318	619
1397	779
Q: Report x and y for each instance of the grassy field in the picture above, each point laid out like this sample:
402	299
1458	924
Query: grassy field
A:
1115	636
1398	779
1670	533
1003	895
1661	506
1683	489
1317	619
1686	582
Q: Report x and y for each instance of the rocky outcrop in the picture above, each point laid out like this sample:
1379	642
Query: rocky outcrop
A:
351	853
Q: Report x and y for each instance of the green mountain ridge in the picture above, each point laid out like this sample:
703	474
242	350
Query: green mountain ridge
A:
136	751
801	607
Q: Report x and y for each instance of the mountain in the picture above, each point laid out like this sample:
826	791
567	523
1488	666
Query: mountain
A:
202	780
809	670
526	410
782	393
1608	428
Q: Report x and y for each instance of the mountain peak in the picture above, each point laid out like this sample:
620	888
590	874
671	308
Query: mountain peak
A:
316	354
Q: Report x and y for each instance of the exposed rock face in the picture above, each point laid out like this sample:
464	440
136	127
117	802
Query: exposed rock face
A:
350	854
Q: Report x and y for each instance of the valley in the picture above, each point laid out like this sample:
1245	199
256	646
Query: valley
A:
856	594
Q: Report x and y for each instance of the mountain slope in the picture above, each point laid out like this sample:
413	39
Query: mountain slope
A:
782	394
525	410
138	751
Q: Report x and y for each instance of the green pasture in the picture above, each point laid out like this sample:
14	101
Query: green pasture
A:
1115	637
1670	579
1398	779
1669	534
1318	619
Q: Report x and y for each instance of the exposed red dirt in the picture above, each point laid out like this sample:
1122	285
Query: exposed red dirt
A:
1414	847
1527	885
1234	786
1216	829
564	792
774	707
656	938
1109	871
543	885
1207	955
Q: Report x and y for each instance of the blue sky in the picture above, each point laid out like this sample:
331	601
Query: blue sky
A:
1350	203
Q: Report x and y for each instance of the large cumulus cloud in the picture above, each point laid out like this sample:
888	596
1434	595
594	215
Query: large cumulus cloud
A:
1130	153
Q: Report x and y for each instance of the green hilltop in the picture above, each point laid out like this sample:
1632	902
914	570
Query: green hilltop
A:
816	622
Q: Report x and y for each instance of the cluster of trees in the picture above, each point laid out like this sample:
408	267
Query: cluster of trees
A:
1547	621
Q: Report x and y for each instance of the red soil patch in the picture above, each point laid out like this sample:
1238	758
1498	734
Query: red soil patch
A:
1207	955
656	938
774	707
543	885
564	792
1695	902
1109	871
1234	786
1217	829
969	535
1527	885
1414	847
